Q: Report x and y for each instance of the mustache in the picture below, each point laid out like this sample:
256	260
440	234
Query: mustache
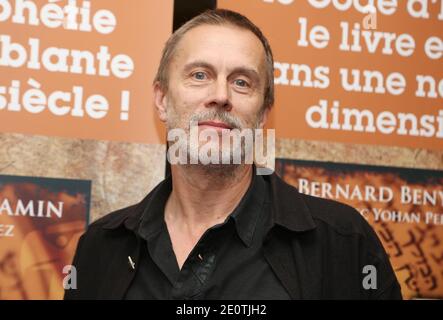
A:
218	115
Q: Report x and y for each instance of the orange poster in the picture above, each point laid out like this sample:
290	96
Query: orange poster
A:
81	68
353	73
41	220
404	206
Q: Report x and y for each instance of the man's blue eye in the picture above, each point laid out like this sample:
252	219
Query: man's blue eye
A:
199	75
241	83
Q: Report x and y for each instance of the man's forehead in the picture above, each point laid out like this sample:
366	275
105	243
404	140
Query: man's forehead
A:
210	40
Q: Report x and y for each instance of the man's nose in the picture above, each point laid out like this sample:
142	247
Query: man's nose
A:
220	96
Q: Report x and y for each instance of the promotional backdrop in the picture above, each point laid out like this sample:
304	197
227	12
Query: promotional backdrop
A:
358	118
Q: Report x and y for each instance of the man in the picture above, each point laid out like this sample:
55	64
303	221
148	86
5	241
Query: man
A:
220	231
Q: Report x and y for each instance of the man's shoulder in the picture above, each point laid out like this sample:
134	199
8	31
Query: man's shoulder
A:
341	236
108	228
128	216
342	217
114	218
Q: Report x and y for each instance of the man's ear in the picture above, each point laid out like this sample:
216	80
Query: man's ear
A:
160	101
264	117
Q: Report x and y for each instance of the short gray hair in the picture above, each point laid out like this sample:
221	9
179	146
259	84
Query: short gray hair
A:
217	17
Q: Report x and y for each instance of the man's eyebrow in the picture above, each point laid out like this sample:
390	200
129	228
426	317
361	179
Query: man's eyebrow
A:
197	64
250	72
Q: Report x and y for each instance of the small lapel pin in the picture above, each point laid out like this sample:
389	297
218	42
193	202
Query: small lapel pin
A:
131	263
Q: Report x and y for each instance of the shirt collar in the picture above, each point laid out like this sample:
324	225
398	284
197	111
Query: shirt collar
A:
245	215
248	211
152	219
289	209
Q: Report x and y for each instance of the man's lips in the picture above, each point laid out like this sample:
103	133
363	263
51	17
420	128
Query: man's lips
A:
217	124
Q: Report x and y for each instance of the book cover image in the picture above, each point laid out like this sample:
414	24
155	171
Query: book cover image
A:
404	206
41	220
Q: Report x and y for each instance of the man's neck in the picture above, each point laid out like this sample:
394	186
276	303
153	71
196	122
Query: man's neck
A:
202	197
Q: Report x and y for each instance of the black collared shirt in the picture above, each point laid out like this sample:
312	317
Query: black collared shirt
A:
317	248
226	263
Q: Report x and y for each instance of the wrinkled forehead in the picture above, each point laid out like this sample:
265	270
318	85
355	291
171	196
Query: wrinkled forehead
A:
224	46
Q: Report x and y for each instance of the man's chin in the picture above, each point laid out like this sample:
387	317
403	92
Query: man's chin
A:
220	161
215	169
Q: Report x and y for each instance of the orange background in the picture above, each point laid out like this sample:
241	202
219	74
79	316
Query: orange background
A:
280	25
140	33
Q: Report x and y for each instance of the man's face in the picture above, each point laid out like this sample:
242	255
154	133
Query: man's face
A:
217	78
